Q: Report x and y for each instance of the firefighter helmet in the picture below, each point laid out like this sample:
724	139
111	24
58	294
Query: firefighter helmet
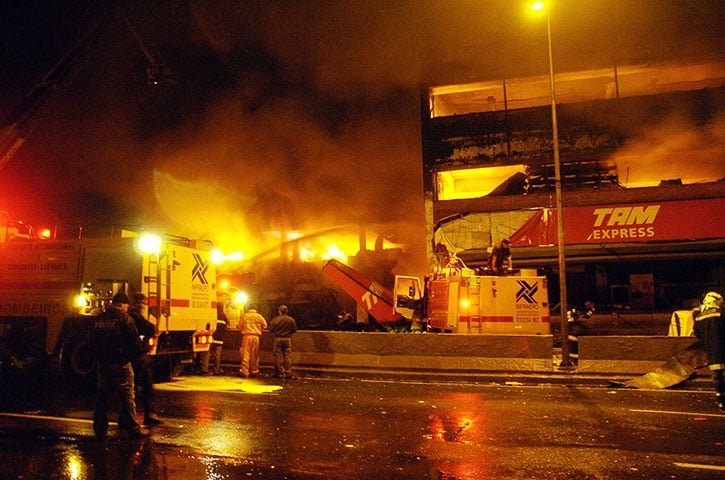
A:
712	300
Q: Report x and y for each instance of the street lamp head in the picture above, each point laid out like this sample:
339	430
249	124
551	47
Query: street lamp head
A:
538	6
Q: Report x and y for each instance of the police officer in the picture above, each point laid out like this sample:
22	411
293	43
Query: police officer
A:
710	328
143	363
114	341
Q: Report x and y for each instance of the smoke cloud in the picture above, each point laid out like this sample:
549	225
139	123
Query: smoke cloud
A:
674	151
287	116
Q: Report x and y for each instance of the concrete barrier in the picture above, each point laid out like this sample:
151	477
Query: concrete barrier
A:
628	354
441	352
633	355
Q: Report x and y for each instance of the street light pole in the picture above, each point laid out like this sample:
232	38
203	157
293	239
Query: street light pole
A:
565	360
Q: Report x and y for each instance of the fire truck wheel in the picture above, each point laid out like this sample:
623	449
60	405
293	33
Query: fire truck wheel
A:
77	359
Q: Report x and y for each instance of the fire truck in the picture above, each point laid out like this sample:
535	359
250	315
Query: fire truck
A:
453	300
11	229
51	291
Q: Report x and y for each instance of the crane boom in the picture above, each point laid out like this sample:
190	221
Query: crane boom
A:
16	126
157	72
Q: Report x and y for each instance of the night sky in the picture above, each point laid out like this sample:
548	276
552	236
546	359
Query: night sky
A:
283	115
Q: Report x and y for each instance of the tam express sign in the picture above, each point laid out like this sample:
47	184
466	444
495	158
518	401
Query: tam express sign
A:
627	223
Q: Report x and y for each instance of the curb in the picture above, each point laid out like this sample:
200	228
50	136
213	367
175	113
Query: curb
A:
568	377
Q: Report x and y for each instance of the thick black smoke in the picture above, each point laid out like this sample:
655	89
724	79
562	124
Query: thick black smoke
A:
285	116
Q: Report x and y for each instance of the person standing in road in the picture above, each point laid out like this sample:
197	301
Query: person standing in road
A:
143	363
499	262
577	328
710	328
226	313
251	325
114	342
282	327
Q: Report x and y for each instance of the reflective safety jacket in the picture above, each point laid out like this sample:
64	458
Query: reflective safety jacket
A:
710	328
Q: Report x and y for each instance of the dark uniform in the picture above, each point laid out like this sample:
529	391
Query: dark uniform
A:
217	342
499	262
282	327
577	328
114	340
710	328
143	363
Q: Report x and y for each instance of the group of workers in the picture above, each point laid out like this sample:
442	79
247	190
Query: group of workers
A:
120	342
251	324
122	366
120	335
708	327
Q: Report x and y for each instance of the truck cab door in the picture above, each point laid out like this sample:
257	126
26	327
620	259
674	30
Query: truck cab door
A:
407	295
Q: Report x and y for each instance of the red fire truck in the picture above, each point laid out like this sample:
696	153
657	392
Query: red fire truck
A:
11	229
50	291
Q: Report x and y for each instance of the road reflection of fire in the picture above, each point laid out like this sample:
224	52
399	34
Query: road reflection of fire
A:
454	425
449	430
74	466
457	418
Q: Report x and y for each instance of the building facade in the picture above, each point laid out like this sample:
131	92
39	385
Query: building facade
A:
642	171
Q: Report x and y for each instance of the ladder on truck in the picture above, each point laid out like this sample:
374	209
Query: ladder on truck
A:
159	287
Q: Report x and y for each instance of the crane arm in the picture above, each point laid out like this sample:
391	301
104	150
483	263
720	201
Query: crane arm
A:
157	72
16	126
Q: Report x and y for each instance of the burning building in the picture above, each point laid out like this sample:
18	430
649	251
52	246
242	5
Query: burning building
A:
642	177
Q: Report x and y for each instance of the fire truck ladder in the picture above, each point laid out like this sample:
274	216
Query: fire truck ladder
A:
159	287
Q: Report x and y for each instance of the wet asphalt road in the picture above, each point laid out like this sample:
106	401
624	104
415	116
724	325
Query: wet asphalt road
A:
345	428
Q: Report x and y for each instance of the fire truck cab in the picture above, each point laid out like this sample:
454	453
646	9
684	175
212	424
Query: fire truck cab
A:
51	290
13	229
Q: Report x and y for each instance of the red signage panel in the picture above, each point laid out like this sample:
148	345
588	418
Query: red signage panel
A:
626	223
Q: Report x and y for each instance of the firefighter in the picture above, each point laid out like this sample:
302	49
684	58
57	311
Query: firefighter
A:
709	327
251	325
499	262
143	363
577	328
226	313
